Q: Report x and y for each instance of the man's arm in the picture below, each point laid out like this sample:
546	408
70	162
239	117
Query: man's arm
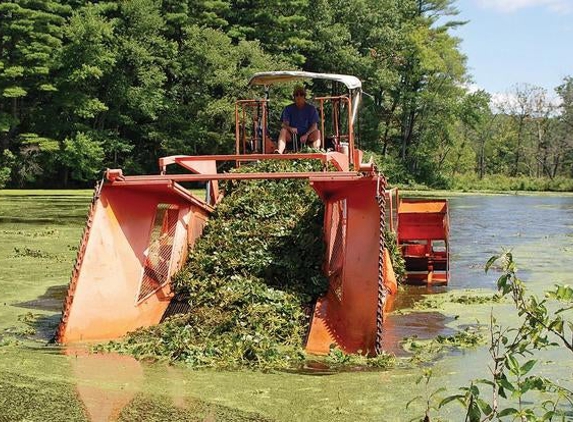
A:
286	125
285	120
312	128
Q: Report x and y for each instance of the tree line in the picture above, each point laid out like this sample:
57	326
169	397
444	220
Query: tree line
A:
86	85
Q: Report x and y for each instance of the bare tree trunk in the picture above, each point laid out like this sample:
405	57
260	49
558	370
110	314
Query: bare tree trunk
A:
556	165
387	129
459	156
482	158
408	129
518	146
66	177
539	166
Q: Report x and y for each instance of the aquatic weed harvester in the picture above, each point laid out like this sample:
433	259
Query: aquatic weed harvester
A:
140	228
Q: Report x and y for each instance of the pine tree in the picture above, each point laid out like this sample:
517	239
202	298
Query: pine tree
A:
30	39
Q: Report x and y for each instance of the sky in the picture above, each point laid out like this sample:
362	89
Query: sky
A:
509	42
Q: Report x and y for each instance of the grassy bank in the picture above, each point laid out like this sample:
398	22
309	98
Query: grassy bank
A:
495	184
472	182
398	175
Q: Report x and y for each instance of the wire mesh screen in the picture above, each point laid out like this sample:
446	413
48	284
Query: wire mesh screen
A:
336	246
158	261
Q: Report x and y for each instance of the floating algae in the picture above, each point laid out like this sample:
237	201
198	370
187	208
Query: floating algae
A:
26	398
152	408
251	279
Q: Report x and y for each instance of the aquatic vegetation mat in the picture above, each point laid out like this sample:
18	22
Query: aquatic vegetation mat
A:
156	408
251	279
469	337
463	298
25	398
339	360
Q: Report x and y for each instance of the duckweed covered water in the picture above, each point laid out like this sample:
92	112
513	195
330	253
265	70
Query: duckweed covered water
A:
41	383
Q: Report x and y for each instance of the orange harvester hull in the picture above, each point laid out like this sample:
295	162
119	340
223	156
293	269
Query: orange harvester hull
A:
135	239
346	315
140	229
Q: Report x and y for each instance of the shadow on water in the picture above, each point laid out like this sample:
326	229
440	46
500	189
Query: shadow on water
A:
51	300
60	220
422	325
44	326
61	210
409	295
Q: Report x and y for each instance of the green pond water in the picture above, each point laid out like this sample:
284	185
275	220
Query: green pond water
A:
40	382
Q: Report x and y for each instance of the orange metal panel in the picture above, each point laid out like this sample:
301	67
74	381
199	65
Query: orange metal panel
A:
419	231
204	167
327	315
422	206
346	315
103	303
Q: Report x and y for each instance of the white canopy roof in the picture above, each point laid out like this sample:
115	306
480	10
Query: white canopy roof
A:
270	78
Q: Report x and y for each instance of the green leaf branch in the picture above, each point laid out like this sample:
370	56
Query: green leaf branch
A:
511	374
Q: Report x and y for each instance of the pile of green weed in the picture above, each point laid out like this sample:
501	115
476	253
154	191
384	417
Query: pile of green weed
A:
251	279
398	262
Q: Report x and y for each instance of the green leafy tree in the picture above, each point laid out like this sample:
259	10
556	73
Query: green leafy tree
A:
30	39
561	154
473	128
136	91
6	163
88	60
432	73
281	26
82	157
199	118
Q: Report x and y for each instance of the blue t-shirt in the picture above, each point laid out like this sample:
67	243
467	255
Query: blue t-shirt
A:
301	118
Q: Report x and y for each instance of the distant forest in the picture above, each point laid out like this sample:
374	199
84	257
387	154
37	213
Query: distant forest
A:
86	85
